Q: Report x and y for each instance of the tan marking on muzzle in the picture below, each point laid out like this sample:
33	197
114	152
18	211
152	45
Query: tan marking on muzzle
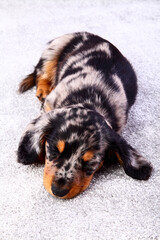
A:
79	186
86	181
49	173
80	183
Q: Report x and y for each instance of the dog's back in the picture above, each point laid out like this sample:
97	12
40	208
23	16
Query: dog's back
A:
91	71
83	68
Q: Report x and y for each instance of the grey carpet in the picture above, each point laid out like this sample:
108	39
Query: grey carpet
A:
114	206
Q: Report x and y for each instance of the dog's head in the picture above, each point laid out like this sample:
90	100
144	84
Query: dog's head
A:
74	151
74	144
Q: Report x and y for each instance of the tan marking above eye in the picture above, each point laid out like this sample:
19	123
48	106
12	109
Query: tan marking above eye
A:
61	145
88	155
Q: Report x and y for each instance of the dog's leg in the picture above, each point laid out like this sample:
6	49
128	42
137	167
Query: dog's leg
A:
47	66
45	71
46	79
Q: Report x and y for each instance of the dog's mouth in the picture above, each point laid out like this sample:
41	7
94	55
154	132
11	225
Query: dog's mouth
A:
79	184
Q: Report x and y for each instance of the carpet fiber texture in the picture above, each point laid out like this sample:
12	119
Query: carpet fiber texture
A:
114	206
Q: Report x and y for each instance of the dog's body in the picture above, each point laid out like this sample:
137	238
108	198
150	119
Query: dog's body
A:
87	87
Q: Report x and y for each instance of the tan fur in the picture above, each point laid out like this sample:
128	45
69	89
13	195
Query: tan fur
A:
45	81
88	156
119	159
61	146
81	181
79	185
48	177
47	107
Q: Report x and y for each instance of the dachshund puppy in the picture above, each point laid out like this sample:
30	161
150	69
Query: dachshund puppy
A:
87	88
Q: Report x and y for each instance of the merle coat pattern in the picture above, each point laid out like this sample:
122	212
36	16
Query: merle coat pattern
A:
87	88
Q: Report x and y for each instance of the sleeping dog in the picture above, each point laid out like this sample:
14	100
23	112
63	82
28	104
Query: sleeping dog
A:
87	88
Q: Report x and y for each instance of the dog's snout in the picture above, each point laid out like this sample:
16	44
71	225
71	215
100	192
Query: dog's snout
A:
57	191
61	182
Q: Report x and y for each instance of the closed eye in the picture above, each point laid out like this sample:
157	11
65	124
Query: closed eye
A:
93	164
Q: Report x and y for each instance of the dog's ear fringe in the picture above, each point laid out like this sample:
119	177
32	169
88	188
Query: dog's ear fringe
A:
27	83
31	148
25	154
134	164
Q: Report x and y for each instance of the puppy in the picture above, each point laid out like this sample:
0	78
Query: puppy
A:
87	88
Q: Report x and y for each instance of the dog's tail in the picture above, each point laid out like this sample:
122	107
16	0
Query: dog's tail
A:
27	83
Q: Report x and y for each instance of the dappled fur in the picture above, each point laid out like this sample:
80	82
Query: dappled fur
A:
87	88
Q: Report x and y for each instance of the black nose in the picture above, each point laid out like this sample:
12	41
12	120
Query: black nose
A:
59	192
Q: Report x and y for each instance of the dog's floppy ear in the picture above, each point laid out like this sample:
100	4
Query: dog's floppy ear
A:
133	163
32	141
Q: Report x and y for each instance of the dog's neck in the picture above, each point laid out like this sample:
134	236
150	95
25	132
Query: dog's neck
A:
92	108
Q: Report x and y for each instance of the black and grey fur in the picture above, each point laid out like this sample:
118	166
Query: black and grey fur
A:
95	87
